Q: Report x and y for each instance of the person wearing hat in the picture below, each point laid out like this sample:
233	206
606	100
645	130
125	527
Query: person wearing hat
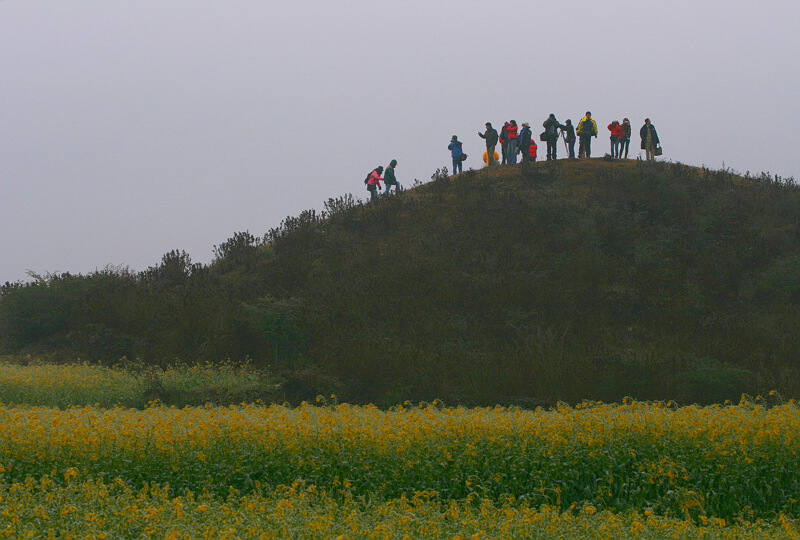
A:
457	153
525	141
374	183
389	178
491	142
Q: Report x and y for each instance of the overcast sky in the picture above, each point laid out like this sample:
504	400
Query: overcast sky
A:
129	128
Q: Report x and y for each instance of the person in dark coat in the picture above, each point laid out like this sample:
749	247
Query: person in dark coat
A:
649	139
525	141
551	128
625	141
490	136
504	143
569	137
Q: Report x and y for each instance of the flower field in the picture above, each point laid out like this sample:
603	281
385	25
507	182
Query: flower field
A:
635	470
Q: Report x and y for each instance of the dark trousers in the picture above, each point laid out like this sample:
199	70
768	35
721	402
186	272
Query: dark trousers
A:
504	149
585	148
624	143
571	143
458	165
551	148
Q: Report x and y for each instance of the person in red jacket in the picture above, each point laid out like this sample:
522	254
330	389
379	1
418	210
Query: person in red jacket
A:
511	133
374	183
616	136
532	151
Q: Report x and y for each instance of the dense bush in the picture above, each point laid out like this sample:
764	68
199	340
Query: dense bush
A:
528	284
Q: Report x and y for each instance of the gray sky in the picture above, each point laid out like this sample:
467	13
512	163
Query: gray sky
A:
129	128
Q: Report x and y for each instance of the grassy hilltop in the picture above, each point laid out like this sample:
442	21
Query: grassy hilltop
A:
518	285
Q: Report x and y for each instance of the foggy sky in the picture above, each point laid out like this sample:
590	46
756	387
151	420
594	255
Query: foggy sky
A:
129	128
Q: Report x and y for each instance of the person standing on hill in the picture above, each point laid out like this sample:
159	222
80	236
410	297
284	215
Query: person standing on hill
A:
551	127
649	139
390	179
504	143
569	137
625	140
587	128
374	183
456	152
512	142
525	141
616	134
490	136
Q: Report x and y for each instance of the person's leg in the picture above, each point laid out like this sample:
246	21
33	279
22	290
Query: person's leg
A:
589	146
582	147
490	153
504	152
459	166
512	152
456	161
572	149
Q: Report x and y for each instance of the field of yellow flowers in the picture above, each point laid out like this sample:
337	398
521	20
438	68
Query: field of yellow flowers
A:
631	470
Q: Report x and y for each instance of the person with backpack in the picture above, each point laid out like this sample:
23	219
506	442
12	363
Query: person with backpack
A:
525	141
457	153
491	142
511	133
569	137
504	143
625	140
587	128
373	182
551	127
649	139
616	134
390	179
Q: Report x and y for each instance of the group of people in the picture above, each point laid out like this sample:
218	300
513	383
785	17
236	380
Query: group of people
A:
514	140
374	179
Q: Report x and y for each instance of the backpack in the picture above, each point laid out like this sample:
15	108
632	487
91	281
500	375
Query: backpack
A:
366	180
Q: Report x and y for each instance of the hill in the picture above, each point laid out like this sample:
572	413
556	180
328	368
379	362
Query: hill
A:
524	284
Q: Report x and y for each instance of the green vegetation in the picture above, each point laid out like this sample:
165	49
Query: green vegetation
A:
27	381
519	285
